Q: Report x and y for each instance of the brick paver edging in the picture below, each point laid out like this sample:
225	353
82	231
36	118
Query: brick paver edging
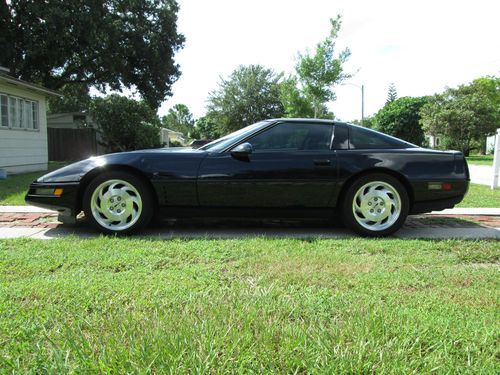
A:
49	220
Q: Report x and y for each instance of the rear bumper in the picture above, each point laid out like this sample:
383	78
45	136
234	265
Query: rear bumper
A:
67	204
427	199
435	205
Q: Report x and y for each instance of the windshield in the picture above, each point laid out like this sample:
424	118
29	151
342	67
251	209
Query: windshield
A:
221	143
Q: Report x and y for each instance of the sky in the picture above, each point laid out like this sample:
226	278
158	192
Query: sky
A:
420	46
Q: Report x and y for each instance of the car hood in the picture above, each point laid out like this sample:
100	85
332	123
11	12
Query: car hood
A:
139	159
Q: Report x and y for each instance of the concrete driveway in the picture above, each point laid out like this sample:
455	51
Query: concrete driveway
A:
481	174
462	224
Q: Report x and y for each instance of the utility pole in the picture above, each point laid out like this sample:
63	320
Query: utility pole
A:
363	105
362	87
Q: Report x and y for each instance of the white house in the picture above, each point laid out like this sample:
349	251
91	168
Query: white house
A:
168	135
433	140
23	125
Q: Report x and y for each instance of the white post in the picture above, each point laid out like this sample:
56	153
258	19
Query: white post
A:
496	161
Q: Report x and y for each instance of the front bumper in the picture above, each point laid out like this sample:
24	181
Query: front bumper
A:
67	204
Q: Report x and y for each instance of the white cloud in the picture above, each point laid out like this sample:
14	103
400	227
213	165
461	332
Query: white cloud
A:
421	46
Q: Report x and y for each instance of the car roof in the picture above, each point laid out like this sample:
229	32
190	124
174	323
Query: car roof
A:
316	120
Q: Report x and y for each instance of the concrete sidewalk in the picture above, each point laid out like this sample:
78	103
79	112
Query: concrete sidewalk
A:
232	233
481	174
468	211
25	209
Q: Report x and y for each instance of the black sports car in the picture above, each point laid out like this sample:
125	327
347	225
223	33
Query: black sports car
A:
274	168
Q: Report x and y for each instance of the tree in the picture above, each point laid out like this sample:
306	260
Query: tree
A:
206	128
180	119
368	122
6	37
318	73
107	44
489	85
401	118
297	104
76	98
463	116
392	93
250	94
126	124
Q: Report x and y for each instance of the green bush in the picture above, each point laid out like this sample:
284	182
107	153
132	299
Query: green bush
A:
126	124
401	118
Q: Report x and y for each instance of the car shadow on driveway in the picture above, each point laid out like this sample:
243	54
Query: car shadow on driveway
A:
300	229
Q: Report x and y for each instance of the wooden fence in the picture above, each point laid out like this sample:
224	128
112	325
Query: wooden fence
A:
71	144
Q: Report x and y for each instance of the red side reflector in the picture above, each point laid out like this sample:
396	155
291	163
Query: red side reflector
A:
446	186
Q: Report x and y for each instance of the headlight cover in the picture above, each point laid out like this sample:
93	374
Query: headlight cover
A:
73	172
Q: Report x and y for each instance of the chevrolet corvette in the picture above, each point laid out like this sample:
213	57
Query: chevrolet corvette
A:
279	168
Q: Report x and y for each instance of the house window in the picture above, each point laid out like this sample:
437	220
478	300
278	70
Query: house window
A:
4	111
18	113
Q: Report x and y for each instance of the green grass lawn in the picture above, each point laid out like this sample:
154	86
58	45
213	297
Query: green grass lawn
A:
14	188
255	305
480	159
481	196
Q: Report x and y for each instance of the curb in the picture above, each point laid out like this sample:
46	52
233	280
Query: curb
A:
468	211
25	210
218	233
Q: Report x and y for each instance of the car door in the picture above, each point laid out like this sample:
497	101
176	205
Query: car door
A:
291	165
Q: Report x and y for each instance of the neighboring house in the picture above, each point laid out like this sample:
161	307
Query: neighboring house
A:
77	131
70	120
433	140
168	135
23	125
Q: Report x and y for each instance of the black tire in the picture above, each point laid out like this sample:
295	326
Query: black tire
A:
136	186
347	204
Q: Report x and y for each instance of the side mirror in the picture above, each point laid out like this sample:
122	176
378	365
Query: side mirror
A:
242	151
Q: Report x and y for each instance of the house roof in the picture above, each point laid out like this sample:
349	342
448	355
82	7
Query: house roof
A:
62	114
27	85
172	131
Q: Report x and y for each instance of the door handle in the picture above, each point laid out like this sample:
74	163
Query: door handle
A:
322	162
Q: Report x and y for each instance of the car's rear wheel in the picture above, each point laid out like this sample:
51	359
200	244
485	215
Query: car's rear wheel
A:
118	202
375	205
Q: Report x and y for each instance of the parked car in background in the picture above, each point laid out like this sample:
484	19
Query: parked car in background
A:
274	168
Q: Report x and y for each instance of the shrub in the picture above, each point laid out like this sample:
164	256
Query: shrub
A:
125	124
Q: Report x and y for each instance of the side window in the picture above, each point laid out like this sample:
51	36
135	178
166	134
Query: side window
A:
293	137
361	138
341	138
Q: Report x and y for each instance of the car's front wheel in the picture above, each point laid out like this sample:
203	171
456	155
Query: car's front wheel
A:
118	202
375	205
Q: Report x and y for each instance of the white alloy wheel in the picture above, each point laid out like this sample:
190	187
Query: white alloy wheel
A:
376	206
116	205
